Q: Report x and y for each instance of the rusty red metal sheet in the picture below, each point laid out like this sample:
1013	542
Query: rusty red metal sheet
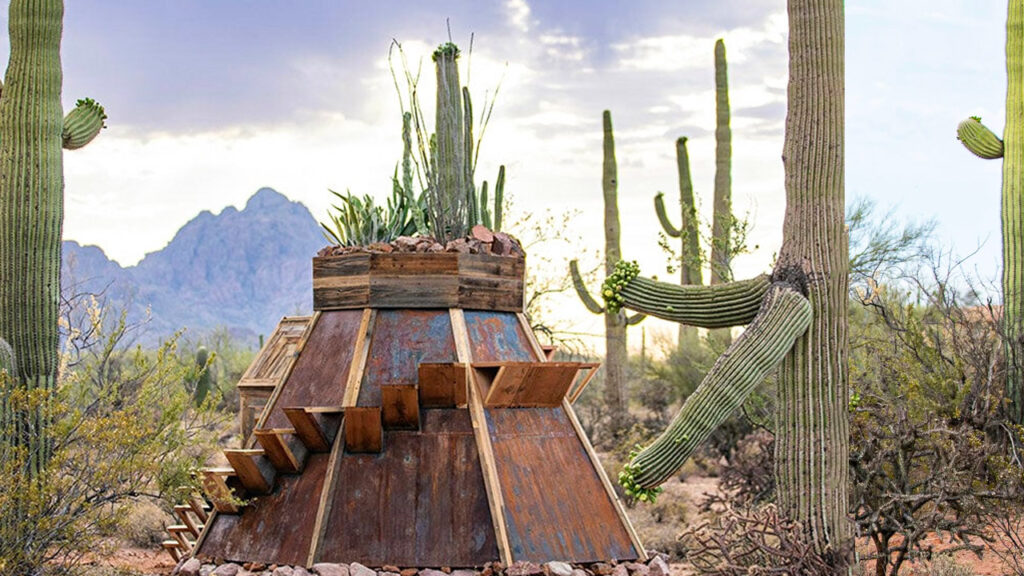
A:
275	528
556	505
321	372
401	339
497	337
421	502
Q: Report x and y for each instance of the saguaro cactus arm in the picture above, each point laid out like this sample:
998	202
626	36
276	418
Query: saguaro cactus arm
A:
977	138
717	306
590	302
666	223
82	124
784	316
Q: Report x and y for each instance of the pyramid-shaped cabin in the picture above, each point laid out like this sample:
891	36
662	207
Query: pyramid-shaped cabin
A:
418	424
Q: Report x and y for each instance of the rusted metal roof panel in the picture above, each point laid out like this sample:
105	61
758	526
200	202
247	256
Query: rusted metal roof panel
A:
497	337
556	505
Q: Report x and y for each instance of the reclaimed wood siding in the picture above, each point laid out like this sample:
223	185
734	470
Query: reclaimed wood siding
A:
401	340
420	503
275	528
418	280
497	337
321	372
556	506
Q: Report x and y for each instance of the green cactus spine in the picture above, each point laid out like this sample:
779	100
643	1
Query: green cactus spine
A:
32	208
690	260
983	143
802	319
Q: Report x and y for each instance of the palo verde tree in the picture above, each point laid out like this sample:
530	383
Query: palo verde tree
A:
616	358
796	315
984	144
33	134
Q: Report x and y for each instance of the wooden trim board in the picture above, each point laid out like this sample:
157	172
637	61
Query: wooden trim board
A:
483	439
362	351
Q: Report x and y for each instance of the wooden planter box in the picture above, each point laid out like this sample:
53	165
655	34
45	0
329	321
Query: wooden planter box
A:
418	280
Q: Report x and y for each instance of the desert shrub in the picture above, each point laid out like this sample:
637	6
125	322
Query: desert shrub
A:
123	428
753	541
946	565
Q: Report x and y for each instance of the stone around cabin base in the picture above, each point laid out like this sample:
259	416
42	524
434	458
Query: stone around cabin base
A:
559	569
409	572
357	569
389	568
284	571
657	567
579	572
299	571
637	569
190	567
207	569
524	569
620	570
379	573
601	569
227	570
431	572
463	573
330	569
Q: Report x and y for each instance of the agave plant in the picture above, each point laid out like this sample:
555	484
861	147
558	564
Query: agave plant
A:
359	221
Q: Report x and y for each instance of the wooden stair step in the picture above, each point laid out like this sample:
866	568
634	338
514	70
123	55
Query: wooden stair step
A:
180	533
316	426
364	431
442	385
173	548
222	488
200	508
183	512
400	407
525	384
254	469
581	383
284	448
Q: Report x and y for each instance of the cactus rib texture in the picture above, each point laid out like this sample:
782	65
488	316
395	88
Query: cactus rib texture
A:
82	124
979	140
784	316
717	306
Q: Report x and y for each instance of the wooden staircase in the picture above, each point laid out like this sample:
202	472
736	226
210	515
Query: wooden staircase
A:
193	517
281	451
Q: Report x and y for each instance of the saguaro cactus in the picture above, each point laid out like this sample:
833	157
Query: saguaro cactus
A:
204	383
721	221
983	143
32	133
800	323
615	322
690	260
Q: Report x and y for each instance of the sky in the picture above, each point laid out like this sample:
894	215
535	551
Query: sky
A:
209	100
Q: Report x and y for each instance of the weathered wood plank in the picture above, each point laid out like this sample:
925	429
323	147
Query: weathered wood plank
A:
283	448
363	430
316	428
400	407
497	337
254	470
218	491
183	512
442	385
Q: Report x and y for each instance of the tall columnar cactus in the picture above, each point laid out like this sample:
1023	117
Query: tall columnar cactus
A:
32	134
690	260
800	323
983	143
721	223
448	193
615	322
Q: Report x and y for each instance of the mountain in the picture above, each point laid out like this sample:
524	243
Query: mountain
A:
241	269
